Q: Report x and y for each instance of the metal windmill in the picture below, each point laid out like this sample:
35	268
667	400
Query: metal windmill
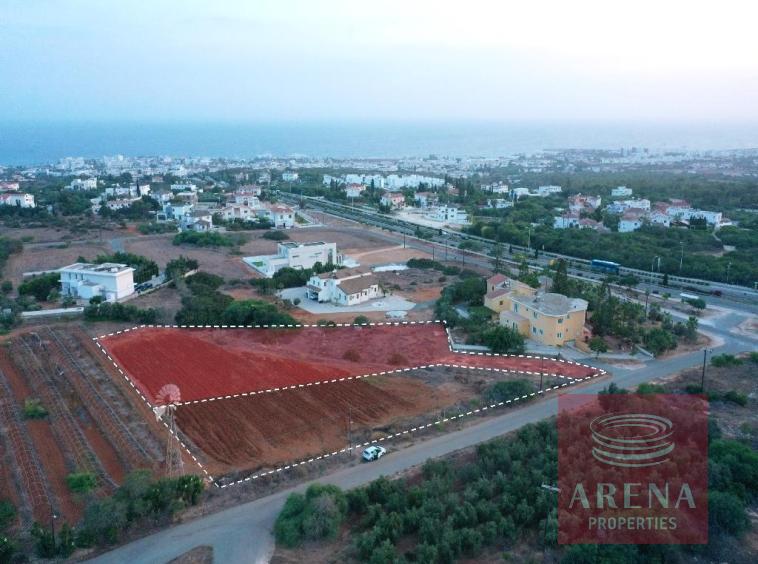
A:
166	401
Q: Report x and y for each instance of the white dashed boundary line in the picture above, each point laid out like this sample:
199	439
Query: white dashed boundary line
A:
570	380
401	433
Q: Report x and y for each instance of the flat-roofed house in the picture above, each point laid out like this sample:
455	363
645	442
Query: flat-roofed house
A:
112	281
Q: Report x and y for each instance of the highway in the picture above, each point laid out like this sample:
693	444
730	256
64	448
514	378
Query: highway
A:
446	239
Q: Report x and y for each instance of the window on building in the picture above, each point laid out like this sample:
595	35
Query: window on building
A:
534	330
559	335
560	320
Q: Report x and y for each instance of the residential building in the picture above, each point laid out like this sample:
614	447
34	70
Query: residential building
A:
295	255
545	191
449	214
621	206
175	210
424	199
111	281
290	176
499	203
239	211
18	199
393	200
119	203
566	220
496	188
632	220
197	220
500	288
9	186
183	188
83	184
344	287
247	191
247	197
580	203
548	318
354	190
621	192
279	215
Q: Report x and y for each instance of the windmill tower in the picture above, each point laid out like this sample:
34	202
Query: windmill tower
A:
167	398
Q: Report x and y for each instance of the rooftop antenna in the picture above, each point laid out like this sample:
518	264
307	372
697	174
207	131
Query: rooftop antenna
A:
166	401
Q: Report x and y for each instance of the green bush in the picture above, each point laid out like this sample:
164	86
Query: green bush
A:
40	286
144	268
7	515
276	235
110	311
502	340
81	482
33	409
506	391
318	514
723	360
208	239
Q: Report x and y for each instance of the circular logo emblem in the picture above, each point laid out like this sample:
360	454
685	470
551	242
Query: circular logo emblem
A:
631	440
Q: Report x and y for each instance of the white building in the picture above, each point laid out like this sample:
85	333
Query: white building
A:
9	186
545	191
344	287
632	220
295	255
246	192
621	192
449	214
175	211
393	200
354	190
290	176
239	211
200	220
83	184
580	203
18	199
183	188
496	188
279	215
110	280
566	220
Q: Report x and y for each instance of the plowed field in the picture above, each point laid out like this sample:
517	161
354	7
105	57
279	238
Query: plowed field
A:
272	429
208	363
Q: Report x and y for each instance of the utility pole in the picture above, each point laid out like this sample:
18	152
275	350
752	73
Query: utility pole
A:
53	517
542	371
681	256
555	490
350	430
702	378
728	267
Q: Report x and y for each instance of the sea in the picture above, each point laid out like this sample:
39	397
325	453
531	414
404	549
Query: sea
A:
30	143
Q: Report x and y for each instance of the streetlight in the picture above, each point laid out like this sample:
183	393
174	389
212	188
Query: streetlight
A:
652	266
53	517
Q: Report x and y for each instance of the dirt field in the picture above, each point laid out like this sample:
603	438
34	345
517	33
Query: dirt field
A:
34	258
216	261
207	363
90	426
268	430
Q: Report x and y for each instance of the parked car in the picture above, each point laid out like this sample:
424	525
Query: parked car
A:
374	453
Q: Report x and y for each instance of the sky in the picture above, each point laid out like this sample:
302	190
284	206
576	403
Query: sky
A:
308	60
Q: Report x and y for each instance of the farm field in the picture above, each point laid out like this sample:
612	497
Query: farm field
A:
93	424
243	435
208	363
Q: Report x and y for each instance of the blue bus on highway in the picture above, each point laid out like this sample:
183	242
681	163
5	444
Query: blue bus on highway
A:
605	266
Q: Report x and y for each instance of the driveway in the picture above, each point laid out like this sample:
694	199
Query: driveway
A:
387	303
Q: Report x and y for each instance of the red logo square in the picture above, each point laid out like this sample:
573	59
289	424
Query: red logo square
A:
632	469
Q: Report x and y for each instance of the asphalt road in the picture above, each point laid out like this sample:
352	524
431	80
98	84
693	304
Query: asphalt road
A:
243	533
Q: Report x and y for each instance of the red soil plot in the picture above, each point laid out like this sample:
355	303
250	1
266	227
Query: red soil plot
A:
272	429
208	363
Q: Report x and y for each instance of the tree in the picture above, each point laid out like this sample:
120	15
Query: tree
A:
40	286
561	282
497	255
6	287
665	278
598	345
691	329
502	339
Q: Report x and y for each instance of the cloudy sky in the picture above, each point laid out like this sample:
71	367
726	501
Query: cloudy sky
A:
261	60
